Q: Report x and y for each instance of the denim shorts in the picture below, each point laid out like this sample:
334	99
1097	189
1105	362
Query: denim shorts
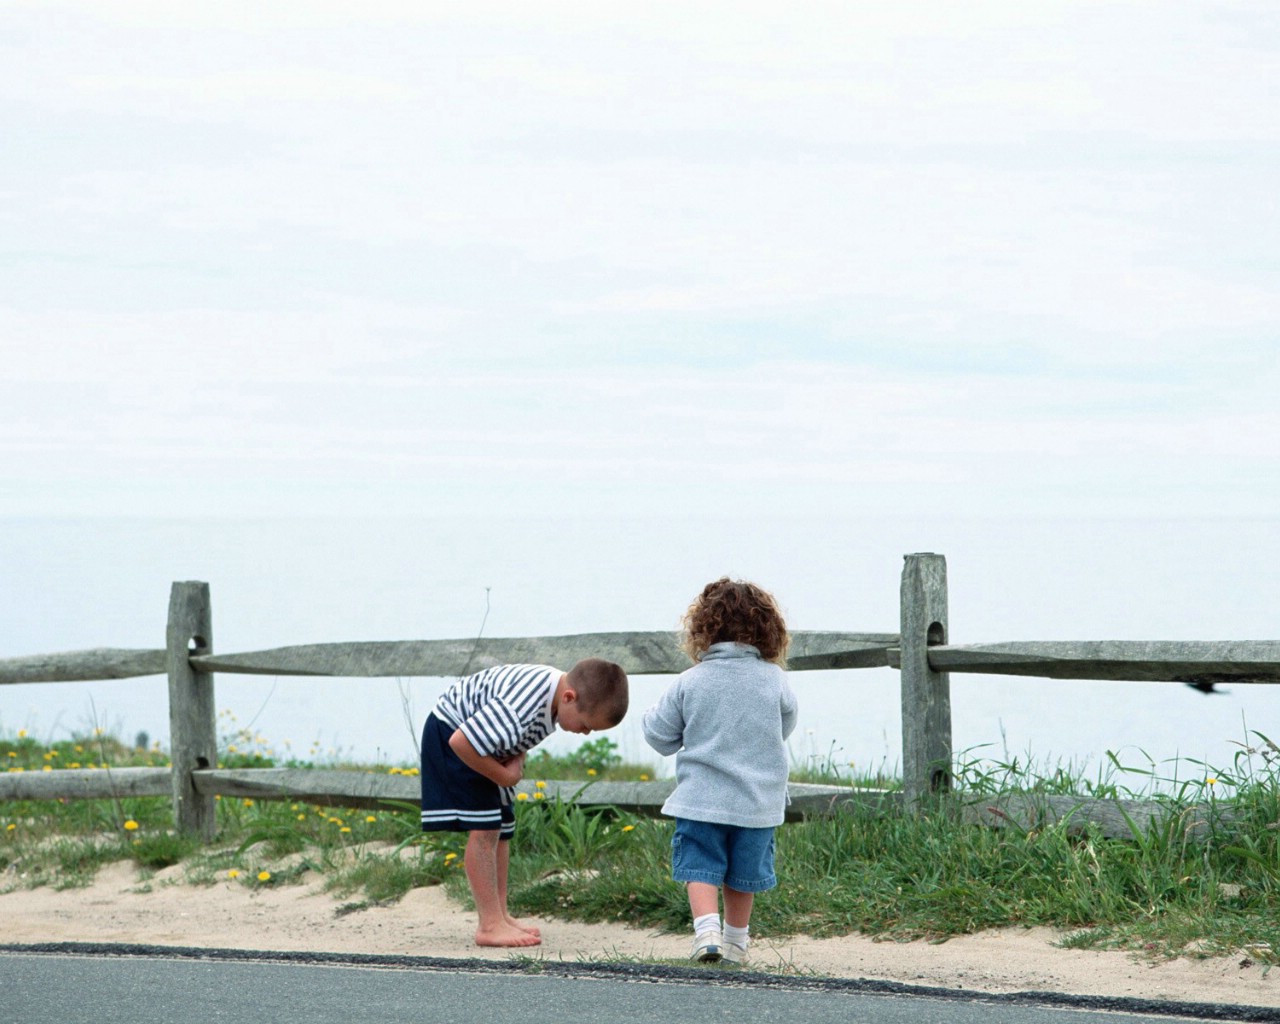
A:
741	858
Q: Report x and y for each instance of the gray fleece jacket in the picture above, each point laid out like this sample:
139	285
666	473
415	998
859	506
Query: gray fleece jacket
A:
726	719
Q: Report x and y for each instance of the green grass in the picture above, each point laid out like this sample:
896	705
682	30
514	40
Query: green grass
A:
1177	887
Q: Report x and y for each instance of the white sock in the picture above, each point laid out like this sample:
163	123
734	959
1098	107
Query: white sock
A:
706	923
736	935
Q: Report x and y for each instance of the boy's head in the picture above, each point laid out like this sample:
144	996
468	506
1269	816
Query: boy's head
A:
594	696
737	611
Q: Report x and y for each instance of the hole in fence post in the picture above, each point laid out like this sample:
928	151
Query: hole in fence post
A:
197	645
202	762
936	635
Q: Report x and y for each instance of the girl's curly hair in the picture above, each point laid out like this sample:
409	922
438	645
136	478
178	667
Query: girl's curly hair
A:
738	611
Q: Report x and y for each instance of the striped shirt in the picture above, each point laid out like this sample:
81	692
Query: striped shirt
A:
504	710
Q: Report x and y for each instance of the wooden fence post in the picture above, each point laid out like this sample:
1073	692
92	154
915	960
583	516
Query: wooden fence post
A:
192	718
926	695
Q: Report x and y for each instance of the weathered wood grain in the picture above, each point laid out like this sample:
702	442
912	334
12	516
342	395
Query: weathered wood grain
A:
193	739
85	784
1115	819
334	788
925	692
1179	661
83	666
339	788
643	653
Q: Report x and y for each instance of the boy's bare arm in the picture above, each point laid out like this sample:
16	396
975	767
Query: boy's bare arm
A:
503	773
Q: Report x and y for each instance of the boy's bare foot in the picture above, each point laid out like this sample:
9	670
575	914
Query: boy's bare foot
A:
506	935
524	926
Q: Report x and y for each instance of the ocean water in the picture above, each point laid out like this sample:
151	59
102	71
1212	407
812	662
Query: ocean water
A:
71	584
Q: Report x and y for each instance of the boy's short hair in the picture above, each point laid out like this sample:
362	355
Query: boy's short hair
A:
601	687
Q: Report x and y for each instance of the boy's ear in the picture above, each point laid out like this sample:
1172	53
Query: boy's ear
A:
568	696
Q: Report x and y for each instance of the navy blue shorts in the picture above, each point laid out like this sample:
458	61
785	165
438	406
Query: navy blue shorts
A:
740	858
456	798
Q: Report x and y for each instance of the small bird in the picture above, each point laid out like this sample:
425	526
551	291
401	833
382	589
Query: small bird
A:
1206	686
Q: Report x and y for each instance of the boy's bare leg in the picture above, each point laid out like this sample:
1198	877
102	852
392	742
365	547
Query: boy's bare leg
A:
504	860
737	907
482	874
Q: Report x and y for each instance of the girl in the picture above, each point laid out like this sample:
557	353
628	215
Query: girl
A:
726	719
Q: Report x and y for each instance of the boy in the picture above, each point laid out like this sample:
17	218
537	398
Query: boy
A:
473	752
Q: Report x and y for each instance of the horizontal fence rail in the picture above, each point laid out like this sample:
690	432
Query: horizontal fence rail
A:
653	653
379	790
83	666
1174	661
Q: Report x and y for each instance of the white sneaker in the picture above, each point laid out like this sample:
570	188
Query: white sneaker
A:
732	953
707	948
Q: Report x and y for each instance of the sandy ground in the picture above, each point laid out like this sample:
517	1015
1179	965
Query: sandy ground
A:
427	923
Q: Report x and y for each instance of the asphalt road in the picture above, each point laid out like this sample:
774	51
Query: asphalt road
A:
148	985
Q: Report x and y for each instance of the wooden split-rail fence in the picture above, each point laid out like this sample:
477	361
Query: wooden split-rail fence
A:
920	651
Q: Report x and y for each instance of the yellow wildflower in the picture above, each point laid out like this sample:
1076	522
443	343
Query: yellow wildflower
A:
591	771
264	876
131	826
523	796
540	784
538	796
370	818
627	828
233	873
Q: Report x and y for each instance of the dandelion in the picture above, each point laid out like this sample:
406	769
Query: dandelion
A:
591	771
448	857
13	753
10	827
22	734
628	828
1211	780
248	803
131	826
644	777
370	818
79	749
540	784
264	876
524	796
345	828
302	817
47	768
539	796
233	873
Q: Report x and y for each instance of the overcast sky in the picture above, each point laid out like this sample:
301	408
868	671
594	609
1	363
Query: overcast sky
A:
1000	257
